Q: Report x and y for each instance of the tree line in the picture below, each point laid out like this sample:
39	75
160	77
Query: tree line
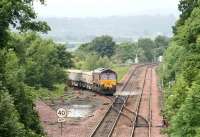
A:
180	73
104	52
27	63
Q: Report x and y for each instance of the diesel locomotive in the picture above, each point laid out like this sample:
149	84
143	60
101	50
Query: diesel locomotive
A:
101	80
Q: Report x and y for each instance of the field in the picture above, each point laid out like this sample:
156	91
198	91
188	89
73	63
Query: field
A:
121	70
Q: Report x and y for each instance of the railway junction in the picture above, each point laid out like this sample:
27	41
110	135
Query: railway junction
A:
134	110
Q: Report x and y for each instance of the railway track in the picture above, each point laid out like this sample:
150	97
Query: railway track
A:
107	124
150	105
143	130
128	114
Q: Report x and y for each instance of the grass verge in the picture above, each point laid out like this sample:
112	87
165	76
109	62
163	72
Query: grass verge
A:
54	94
121	70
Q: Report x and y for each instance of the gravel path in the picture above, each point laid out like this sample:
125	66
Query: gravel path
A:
156	108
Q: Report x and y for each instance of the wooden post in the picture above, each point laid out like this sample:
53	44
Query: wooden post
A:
61	127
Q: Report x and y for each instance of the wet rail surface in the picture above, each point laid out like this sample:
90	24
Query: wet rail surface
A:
107	124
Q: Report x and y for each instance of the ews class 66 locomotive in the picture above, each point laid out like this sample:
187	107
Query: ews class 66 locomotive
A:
100	80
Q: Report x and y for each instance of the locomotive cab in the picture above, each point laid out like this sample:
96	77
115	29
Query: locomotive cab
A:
105	80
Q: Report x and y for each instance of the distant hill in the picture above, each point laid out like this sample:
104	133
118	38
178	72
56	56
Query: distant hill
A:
121	28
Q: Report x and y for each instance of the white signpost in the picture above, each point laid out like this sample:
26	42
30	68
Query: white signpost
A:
61	113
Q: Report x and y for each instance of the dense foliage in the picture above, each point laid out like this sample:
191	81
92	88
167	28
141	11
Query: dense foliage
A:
27	62
43	60
104	52
181	73
104	46
32	63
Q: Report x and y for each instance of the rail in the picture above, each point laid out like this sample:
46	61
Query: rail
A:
113	113
138	105
150	108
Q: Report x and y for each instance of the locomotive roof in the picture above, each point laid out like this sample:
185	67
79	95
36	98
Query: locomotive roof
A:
78	71
74	70
100	70
87	72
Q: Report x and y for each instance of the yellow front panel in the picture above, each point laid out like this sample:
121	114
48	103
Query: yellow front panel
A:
108	83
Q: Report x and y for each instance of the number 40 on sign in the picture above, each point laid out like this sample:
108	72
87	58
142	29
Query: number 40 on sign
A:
61	113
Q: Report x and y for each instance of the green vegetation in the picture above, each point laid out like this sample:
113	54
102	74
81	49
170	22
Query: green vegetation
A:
104	52
103	45
43	61
121	70
126	52
27	64
55	94
9	120
181	73
32	67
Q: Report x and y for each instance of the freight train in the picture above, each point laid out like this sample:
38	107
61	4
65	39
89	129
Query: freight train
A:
100	80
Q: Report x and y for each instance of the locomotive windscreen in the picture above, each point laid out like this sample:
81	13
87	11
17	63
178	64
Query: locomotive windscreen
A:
108	76
112	76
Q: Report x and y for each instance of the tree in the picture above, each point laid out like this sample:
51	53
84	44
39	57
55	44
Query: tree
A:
186	121
45	63
186	7
104	46
91	62
161	44
172	62
20	15
147	45
126	51
10	125
23	101
182	63
64	57
103	62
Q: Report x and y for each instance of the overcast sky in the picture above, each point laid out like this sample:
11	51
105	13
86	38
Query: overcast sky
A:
101	8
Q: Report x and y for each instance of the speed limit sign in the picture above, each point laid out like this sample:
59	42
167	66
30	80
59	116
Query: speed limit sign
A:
61	113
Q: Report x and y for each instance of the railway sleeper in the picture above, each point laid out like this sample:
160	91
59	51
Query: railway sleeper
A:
126	117
158	126
134	113
118	103
120	99
123	114
115	109
141	125
129	110
144	120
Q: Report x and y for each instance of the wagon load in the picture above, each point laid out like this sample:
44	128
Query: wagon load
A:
100	80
